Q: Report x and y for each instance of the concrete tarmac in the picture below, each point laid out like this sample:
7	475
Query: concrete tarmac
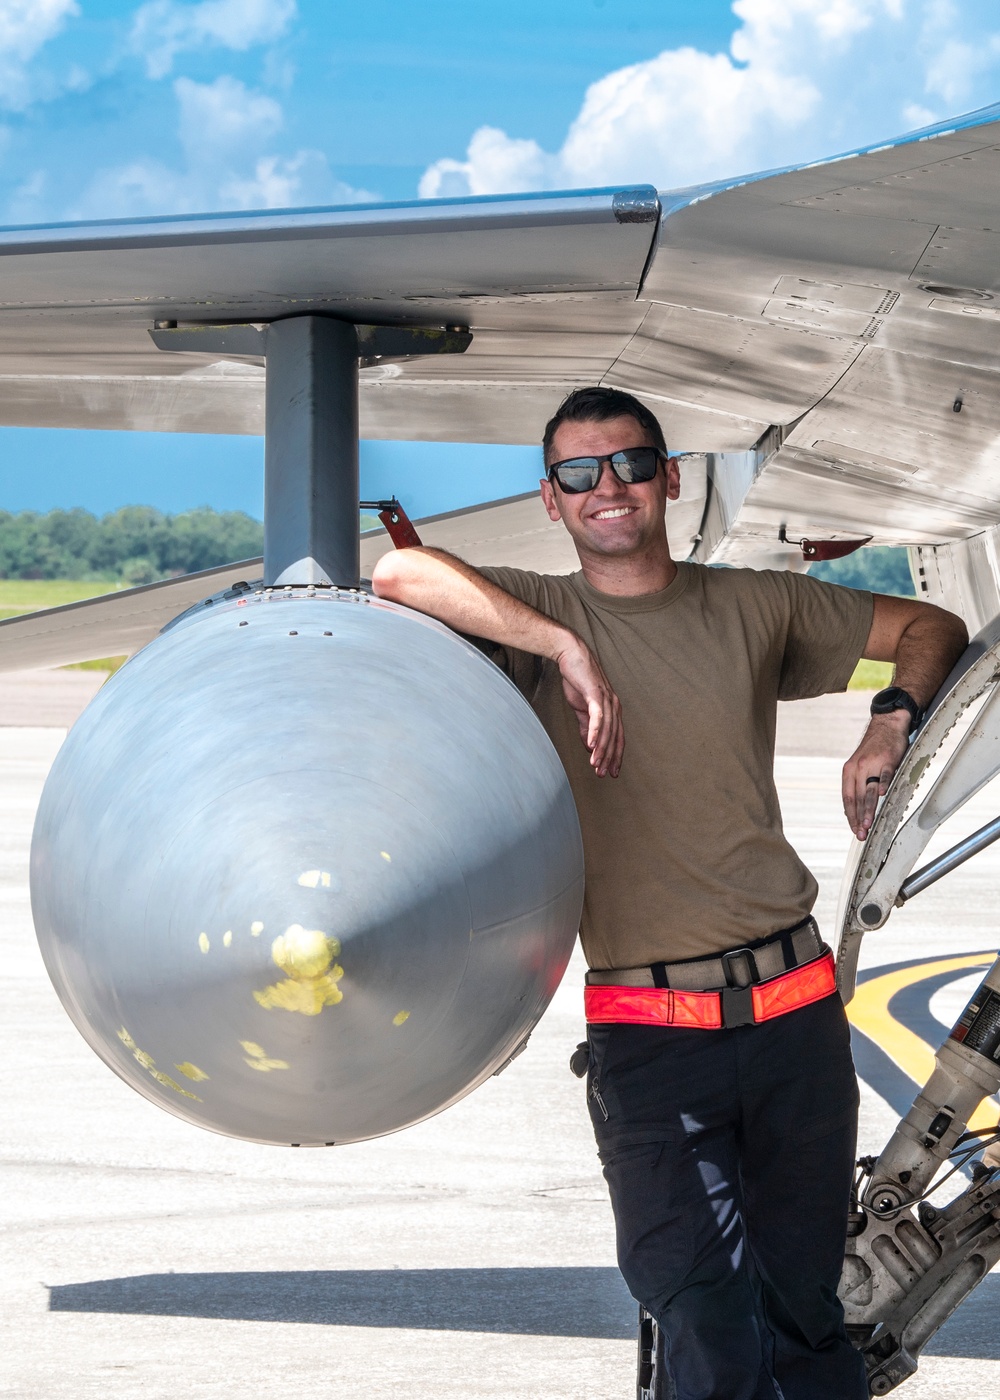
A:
472	1255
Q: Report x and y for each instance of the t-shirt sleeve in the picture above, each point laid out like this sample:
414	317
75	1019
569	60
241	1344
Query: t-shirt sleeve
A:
523	667
828	626
521	583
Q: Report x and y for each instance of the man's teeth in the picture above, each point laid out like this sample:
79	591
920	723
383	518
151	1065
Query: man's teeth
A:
612	514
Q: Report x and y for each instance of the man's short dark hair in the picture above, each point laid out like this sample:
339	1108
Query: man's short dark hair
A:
596	405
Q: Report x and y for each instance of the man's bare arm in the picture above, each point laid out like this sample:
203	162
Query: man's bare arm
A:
447	588
924	642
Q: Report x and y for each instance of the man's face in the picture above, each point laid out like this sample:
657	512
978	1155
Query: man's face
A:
614	518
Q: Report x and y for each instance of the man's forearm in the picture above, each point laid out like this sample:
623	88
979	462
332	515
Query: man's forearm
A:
927	651
444	587
447	588
924	642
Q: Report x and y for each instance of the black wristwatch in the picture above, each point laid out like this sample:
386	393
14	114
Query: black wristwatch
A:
896	698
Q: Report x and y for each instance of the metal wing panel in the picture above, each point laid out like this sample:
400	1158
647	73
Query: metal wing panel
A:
730	365
895	254
936	189
885	454
262	261
146	403
518	533
860	290
515	532
113	624
77	301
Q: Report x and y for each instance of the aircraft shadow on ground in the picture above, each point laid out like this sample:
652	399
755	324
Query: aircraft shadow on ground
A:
567	1302
552	1302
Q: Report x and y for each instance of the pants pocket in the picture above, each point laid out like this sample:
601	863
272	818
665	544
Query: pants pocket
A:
597	1091
651	1225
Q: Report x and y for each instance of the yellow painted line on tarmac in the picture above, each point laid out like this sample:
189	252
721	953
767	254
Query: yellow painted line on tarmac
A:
869	1011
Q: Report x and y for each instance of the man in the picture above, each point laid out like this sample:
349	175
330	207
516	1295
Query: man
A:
721	1086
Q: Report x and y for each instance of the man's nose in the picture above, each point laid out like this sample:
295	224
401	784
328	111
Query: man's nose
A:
608	482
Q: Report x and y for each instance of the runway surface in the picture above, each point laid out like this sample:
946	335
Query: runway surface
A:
473	1255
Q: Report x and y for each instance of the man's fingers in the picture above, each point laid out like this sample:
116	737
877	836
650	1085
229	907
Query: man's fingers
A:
847	793
854	794
605	738
852	809
597	739
865	780
869	794
868	773
616	739
596	712
605	731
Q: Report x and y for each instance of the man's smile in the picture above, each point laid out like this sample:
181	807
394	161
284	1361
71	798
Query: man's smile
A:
613	512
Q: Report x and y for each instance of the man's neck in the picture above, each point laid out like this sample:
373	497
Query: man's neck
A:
629	576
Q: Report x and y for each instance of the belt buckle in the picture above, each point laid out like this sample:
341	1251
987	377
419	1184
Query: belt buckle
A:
751	965
735	1001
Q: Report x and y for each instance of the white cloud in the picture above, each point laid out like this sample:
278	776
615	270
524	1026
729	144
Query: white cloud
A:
224	129
283	182
802	79
222	117
495	165
916	116
27	203
142	186
26	26
956	67
164	28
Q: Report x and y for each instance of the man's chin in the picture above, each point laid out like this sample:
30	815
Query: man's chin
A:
613	545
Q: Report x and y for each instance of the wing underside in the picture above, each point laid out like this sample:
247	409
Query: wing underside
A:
823	343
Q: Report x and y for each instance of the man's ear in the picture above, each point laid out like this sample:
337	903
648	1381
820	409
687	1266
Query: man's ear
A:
550	500
673	472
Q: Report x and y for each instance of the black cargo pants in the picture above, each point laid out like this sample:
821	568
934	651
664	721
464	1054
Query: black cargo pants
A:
729	1156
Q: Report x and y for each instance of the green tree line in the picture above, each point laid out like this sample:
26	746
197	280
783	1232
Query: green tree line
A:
136	544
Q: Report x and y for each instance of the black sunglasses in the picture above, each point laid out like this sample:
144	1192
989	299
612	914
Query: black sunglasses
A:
578	474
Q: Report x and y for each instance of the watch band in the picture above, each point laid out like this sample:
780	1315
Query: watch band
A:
894	697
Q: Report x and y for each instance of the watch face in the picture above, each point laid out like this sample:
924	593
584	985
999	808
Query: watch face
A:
896	698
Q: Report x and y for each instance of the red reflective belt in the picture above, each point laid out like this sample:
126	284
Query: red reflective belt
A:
661	1006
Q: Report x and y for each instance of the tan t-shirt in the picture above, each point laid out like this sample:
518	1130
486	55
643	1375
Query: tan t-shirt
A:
685	854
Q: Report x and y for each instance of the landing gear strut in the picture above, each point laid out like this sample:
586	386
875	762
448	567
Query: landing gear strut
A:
909	1263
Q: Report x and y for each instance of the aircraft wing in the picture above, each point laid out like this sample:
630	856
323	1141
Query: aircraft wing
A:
113	624
824	342
549	284
733	308
515	531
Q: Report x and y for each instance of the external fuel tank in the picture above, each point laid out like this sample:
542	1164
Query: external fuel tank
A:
308	869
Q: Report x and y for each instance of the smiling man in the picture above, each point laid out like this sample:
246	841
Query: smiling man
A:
721	1086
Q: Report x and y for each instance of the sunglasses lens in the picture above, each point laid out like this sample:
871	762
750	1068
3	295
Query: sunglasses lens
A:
578	475
581	474
637	464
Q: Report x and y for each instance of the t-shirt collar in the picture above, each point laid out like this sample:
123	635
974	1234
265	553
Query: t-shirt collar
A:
634	603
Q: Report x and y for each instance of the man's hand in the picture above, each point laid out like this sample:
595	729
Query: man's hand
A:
924	642
598	709
869	770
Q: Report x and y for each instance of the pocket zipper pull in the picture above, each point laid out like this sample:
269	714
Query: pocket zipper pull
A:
596	1096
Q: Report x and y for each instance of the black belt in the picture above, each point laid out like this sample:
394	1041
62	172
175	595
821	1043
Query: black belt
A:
739	967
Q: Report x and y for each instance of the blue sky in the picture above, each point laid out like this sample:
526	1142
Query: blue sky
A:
110	108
